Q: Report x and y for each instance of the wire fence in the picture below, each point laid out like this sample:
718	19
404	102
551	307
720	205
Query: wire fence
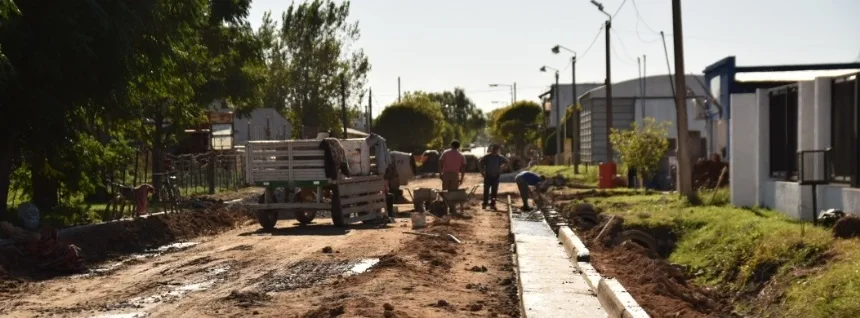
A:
192	172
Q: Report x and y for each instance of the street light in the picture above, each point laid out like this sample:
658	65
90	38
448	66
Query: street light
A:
576	133
555	109
513	90
608	84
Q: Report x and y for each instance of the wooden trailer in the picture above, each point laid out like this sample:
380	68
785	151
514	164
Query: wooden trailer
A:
293	173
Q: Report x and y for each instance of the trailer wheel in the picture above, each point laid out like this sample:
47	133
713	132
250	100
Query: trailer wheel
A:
304	217
267	219
336	214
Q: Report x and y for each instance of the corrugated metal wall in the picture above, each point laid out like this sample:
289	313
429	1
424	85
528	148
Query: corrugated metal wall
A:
594	125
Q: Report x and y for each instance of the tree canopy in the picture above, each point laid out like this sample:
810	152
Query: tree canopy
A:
516	124
642	148
414	124
308	56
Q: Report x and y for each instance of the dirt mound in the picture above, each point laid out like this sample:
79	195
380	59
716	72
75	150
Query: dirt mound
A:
102	241
706	173
658	286
847	227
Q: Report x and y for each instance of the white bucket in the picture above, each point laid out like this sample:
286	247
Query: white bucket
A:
418	220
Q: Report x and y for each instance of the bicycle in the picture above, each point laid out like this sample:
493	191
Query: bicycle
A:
168	192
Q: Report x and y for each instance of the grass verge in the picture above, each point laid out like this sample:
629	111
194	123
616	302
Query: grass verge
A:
587	174
769	264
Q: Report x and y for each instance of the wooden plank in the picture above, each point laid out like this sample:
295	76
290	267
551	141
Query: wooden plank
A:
365	198
293	163
359	188
359	179
362	208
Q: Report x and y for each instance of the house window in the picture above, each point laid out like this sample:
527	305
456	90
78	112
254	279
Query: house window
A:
844	130
783	133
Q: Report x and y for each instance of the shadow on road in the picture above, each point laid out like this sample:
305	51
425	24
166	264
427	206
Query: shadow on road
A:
315	230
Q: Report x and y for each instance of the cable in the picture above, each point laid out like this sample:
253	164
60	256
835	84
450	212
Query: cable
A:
599	31
619	9
639	17
623	47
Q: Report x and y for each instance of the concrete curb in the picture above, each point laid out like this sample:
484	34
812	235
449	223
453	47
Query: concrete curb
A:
573	245
616	300
514	259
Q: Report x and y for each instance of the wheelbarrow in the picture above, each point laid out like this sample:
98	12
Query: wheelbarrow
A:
452	198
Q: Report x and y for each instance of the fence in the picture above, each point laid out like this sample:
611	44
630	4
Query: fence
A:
191	171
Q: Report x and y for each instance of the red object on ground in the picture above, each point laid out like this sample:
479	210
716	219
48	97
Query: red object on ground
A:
606	175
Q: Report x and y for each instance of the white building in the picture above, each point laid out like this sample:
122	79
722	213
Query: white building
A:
769	128
262	124
634	100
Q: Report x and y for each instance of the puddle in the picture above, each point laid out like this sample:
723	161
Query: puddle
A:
173	247
362	266
143	305
151	253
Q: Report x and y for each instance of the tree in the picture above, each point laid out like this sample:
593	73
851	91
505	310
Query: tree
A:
642	148
517	124
413	124
465	119
307	56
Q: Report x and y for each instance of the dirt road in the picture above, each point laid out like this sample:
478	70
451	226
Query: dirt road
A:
313	271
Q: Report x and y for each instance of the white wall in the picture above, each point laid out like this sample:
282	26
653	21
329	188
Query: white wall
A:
751	183
743	186
278	126
663	109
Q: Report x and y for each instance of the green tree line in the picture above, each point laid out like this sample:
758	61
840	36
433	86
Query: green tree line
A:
83	84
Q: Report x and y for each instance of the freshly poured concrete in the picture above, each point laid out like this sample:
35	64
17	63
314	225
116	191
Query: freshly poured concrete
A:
551	286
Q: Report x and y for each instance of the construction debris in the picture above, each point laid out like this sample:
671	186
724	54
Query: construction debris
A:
449	237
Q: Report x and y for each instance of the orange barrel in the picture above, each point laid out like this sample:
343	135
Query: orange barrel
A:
606	175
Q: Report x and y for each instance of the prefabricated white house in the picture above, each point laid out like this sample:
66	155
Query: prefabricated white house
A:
803	131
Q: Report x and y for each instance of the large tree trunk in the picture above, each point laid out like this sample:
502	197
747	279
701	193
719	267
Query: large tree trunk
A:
7	156
45	187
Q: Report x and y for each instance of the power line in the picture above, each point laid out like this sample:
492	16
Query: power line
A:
596	36
639	18
619	9
623	47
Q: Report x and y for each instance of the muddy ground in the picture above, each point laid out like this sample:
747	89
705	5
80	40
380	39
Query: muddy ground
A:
226	267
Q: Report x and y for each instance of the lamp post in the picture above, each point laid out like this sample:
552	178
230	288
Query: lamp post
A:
513	90
608	84
576	112
555	107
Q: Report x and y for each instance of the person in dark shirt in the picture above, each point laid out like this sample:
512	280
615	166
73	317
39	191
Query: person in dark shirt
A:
491	166
525	179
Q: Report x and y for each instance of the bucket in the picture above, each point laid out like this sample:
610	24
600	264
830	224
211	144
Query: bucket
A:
418	220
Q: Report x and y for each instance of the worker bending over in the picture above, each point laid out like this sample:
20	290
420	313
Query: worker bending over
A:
524	180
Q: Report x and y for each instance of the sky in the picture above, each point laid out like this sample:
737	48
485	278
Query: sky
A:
441	44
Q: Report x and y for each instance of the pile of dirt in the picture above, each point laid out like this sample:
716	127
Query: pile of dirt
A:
657	286
102	241
706	174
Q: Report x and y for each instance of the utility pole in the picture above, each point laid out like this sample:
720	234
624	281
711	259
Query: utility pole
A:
576	115
343	104
557	109
685	187
609	152
644	82
398	89
515	93
370	110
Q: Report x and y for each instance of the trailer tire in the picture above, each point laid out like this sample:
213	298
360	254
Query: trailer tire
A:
267	219
305	217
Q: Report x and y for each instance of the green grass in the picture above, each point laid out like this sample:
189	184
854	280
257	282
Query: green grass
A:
587	174
740	250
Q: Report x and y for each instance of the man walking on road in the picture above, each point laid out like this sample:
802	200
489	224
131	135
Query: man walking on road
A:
525	179
452	168
491	168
